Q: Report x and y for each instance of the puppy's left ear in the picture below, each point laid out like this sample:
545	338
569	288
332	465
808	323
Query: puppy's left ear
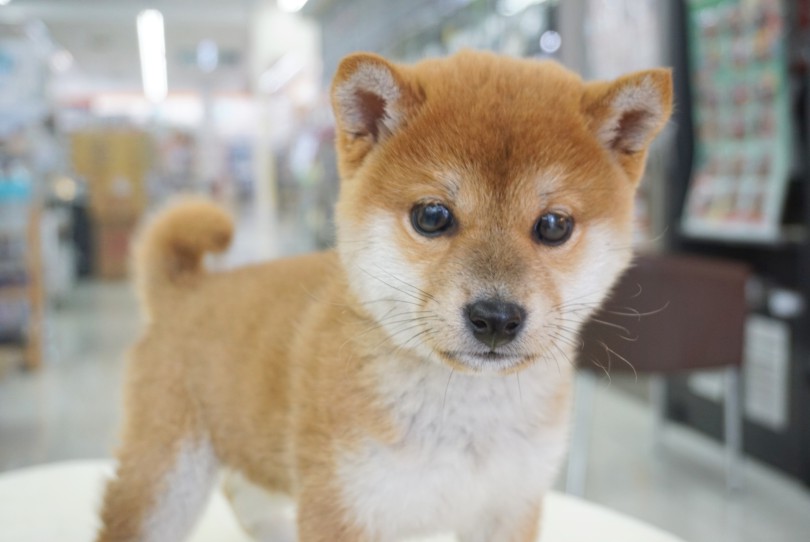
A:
625	115
371	99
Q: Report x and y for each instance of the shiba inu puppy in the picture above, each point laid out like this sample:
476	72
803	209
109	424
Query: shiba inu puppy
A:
417	379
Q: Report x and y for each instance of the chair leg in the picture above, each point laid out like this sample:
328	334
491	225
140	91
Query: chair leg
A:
658	398
733	428
577	471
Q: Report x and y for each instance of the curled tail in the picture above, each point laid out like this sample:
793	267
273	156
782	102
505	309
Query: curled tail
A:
170	249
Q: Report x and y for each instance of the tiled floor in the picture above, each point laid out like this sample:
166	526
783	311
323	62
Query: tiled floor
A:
680	485
70	409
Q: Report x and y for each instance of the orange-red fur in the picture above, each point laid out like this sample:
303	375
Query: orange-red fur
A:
272	362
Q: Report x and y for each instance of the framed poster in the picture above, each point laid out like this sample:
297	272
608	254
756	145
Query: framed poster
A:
742	120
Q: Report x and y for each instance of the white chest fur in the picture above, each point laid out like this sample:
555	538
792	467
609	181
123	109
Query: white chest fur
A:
471	449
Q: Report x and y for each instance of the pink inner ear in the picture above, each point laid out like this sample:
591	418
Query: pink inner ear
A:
371	109
632	130
368	101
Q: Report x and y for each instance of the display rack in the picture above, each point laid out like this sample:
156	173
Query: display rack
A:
782	266
24	76
22	296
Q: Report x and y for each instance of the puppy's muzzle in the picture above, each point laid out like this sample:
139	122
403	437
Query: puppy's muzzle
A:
494	322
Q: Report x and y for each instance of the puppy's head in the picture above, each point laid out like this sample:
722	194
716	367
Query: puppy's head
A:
486	202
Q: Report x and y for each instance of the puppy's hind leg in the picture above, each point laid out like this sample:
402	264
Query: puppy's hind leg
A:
267	516
166	466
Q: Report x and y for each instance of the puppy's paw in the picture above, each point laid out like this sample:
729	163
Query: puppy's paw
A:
266	516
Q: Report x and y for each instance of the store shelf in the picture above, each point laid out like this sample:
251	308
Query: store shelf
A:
789	236
14	293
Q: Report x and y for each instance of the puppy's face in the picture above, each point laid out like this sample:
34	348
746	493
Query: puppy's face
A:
486	202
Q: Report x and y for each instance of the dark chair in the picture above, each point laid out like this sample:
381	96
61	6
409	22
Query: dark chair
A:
668	314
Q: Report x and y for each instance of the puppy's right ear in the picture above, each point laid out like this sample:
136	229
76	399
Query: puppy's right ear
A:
371	99
625	115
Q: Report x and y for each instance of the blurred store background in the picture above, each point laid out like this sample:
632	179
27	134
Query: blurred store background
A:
108	108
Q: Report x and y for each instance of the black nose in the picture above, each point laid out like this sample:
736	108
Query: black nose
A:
494	322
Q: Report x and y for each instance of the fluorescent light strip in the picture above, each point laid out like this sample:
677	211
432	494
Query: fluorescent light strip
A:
291	6
152	46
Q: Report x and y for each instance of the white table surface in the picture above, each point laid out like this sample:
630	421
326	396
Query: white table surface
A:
59	502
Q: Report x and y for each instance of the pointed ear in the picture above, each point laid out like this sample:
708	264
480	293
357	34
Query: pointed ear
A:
625	115
371	99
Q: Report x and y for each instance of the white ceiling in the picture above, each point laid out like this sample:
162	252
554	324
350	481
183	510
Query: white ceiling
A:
101	36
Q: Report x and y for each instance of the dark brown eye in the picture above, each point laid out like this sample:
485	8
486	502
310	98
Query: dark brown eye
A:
553	229
431	219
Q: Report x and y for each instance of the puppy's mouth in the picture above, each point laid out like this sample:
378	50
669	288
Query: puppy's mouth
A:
486	360
487	356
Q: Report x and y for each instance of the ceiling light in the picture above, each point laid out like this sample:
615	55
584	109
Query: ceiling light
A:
207	56
280	73
152	46
513	7
291	6
4	2
550	41
61	60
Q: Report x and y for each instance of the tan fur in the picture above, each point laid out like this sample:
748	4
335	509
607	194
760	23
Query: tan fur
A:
276	364
173	247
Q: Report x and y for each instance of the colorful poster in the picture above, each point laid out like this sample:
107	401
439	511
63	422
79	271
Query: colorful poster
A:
742	120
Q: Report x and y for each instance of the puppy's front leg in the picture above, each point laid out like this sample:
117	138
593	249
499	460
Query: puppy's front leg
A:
513	526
